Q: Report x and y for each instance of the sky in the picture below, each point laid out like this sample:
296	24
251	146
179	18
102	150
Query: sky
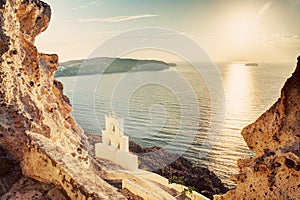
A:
228	30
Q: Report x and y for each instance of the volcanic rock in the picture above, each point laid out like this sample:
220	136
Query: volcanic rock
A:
37	129
169	164
275	138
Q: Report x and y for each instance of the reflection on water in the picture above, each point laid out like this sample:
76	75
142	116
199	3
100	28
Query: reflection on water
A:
238	82
155	111
238	86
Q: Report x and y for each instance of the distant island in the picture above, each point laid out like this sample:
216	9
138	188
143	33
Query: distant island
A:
104	65
251	64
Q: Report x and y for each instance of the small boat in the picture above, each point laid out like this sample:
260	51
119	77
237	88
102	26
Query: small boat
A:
251	64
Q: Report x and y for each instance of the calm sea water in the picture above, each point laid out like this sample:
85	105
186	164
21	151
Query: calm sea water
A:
174	108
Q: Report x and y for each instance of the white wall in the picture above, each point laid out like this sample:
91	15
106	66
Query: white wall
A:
126	160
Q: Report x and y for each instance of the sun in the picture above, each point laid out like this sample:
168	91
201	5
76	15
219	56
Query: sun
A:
242	29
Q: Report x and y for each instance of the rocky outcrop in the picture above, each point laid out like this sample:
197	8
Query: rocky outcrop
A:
37	129
202	179
275	138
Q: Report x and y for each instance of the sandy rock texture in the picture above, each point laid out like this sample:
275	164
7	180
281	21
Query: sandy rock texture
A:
37	129
27	188
275	138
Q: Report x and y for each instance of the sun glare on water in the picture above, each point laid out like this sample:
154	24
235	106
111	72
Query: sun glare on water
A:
237	85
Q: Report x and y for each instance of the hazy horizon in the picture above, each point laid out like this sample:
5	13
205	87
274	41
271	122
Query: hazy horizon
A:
229	31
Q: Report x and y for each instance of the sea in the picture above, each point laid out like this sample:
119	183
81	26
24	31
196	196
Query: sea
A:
195	111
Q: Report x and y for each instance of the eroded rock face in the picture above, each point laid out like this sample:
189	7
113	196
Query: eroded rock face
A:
27	188
31	100
36	125
275	137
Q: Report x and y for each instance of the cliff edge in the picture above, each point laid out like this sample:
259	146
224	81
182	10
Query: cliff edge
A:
275	138
37	129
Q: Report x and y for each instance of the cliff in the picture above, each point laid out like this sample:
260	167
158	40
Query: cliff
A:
275	138
37	129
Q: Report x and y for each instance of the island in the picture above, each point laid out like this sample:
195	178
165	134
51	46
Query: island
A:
251	64
104	65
